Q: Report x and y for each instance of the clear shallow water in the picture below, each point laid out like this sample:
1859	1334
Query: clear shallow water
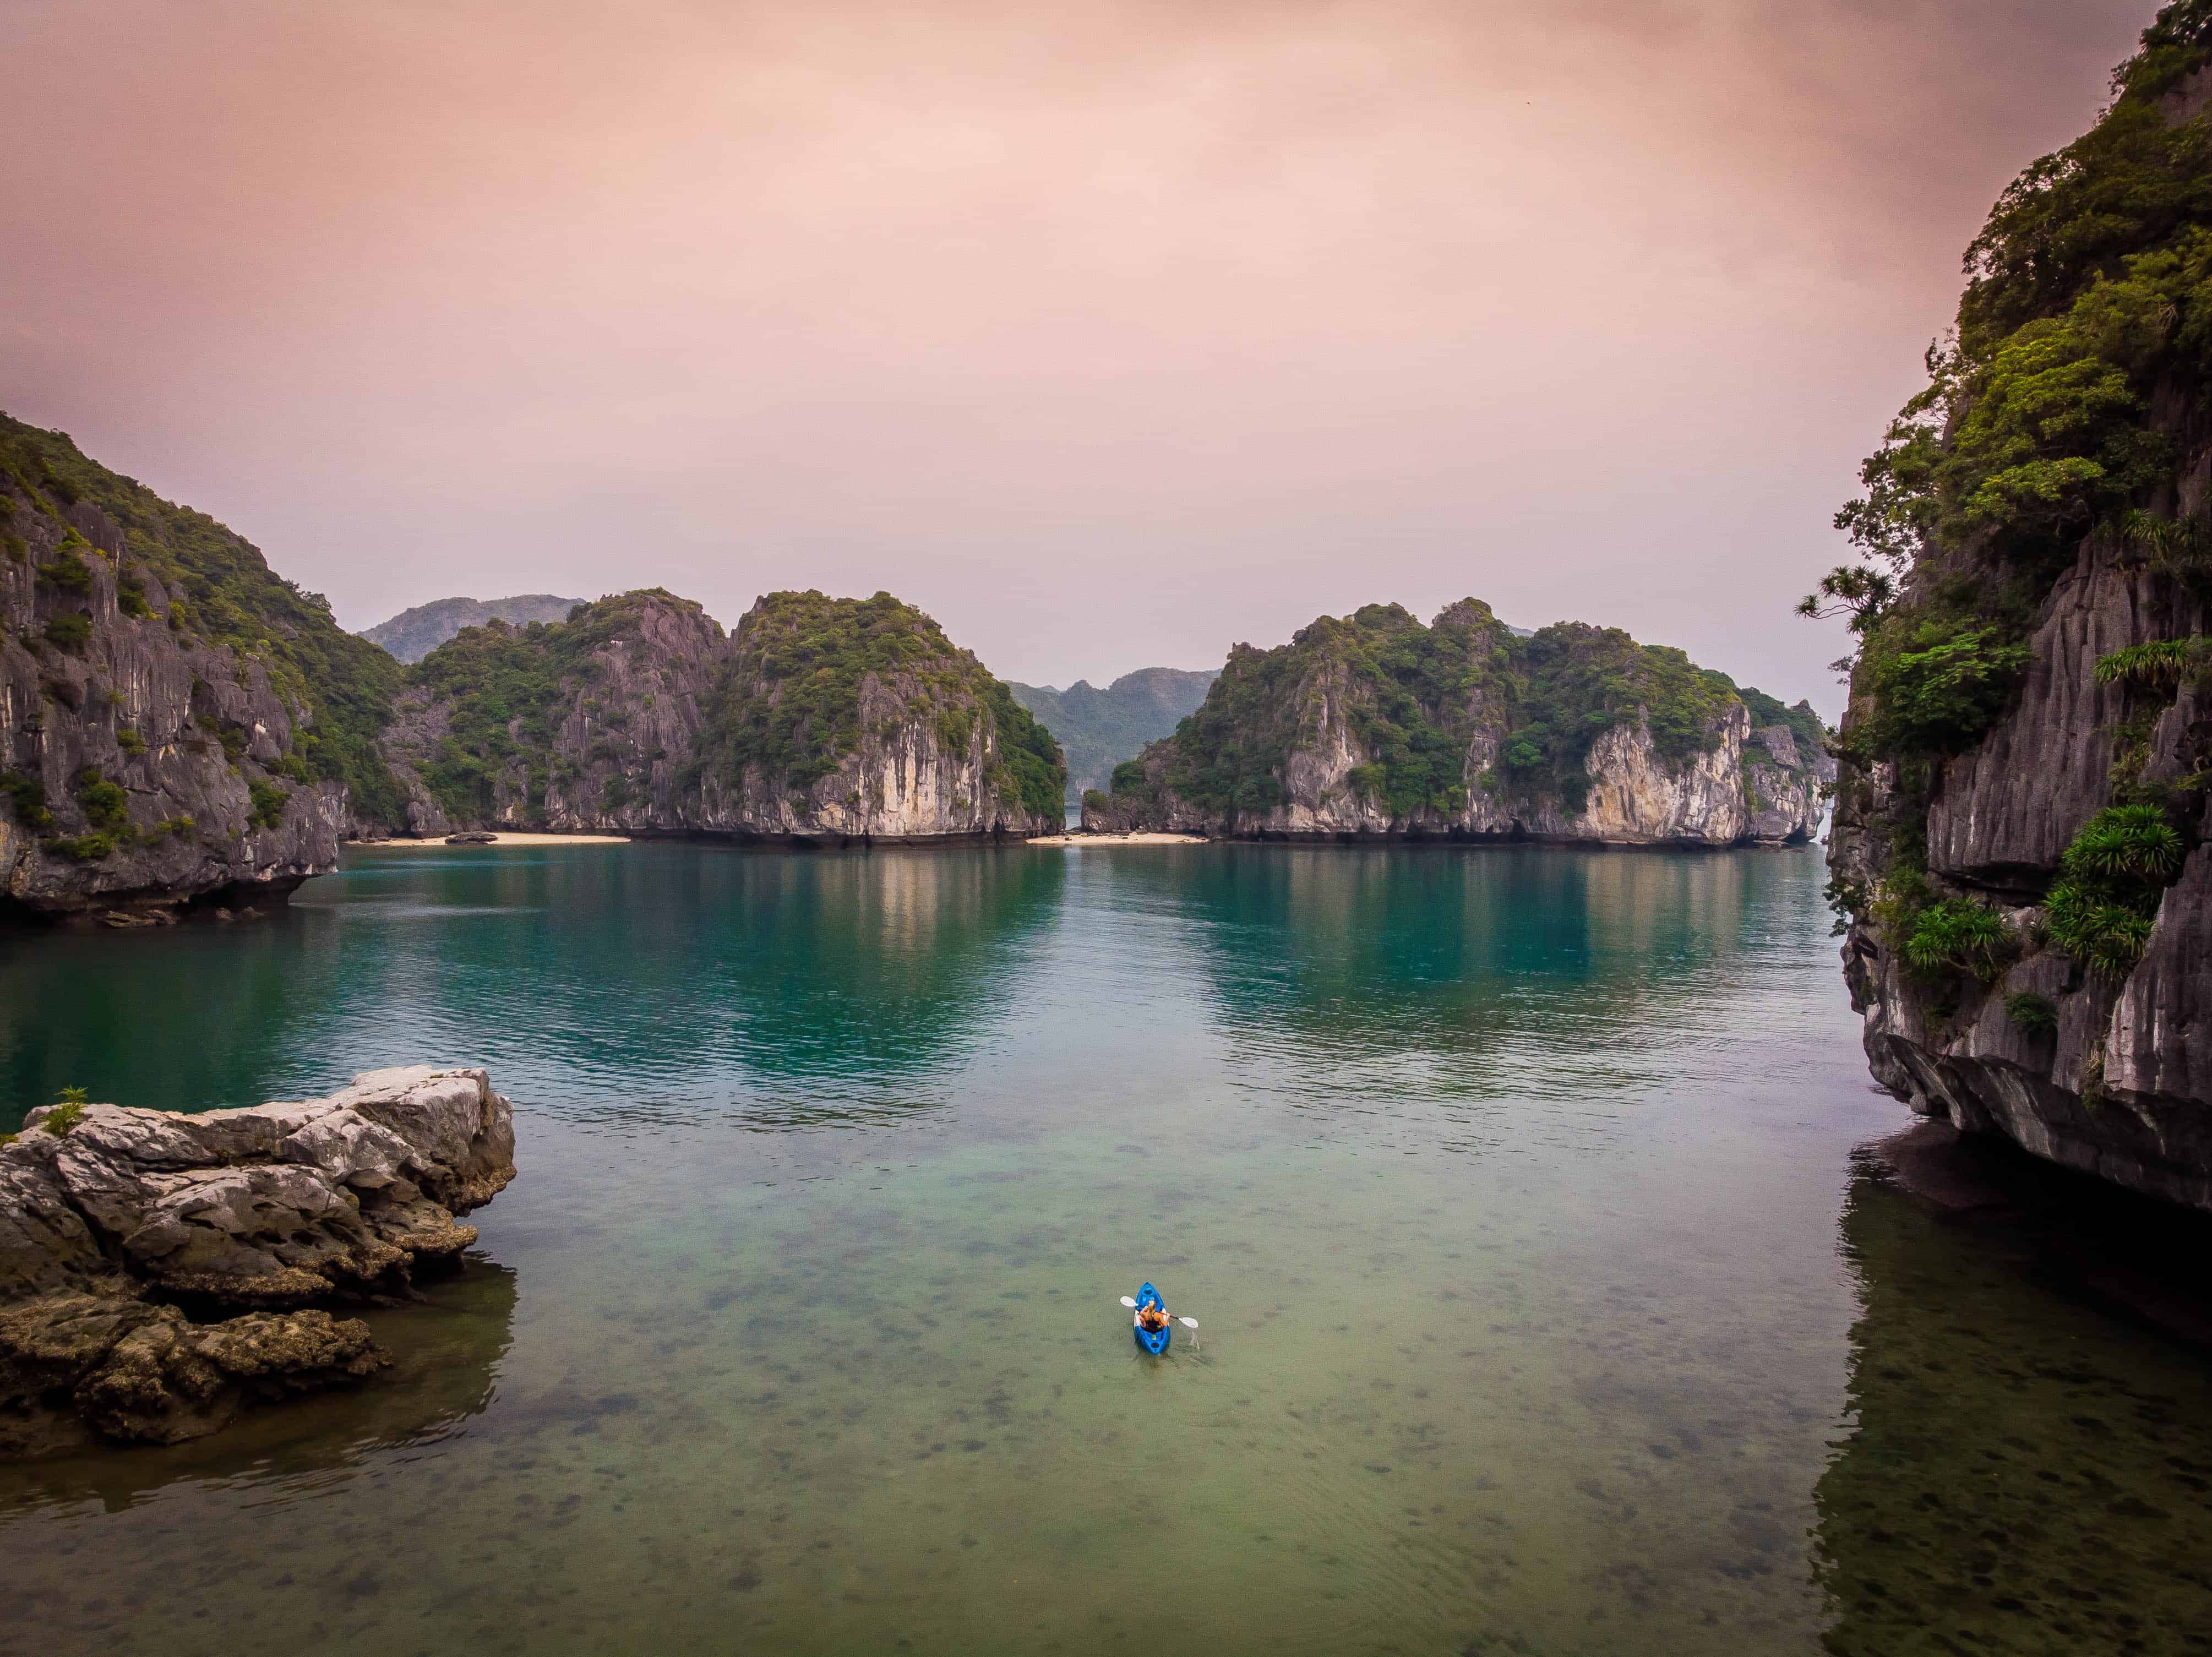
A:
1546	1308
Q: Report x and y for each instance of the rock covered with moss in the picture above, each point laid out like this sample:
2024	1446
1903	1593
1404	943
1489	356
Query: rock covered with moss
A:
112	1219
2019	856
1375	726
177	724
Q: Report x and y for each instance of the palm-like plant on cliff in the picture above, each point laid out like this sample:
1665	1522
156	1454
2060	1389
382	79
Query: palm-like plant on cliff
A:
2114	874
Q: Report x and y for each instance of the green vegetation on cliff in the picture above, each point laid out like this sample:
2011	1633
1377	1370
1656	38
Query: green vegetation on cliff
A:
1806	728
789	708
1581	681
223	591
509	688
1415	699
2088	308
2112	877
1402	688
2057	416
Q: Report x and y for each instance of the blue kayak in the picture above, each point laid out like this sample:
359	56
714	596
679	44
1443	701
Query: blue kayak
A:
1154	1341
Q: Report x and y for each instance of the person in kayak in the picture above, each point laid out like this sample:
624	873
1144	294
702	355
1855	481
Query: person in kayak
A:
1153	1317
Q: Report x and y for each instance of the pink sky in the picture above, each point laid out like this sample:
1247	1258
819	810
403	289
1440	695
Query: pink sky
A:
1110	331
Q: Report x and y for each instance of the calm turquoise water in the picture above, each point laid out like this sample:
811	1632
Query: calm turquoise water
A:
1545	1307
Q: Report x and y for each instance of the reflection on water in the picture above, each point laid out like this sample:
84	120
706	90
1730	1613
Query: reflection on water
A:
1542	1309
1520	973
2025	1474
596	979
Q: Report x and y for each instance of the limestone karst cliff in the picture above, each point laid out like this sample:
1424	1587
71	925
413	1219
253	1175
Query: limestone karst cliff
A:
2020	854
819	719
1373	725
178	725
854	716
587	726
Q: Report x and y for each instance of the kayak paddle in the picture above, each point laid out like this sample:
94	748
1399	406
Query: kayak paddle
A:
1187	1323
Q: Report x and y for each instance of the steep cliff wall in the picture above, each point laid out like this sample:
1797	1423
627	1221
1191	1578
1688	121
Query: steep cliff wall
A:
176	724
590	725
820	719
1373	725
841	717
2020	851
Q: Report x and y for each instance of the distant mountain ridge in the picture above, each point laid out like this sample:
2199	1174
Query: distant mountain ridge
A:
414	633
1098	729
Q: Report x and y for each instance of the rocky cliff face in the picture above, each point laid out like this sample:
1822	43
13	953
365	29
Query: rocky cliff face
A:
819	719
857	718
1374	726
589	726
2022	851
144	767
113	1221
2116	1077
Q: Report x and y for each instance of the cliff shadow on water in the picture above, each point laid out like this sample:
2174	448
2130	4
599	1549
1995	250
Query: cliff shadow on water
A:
2029	1468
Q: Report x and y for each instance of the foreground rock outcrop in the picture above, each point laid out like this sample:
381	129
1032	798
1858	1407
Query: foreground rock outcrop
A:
1372	725
2022	850
819	720
127	1236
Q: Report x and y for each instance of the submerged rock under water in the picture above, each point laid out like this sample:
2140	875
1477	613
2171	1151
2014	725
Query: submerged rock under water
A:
116	1225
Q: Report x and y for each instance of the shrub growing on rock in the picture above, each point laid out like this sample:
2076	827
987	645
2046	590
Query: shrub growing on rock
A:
268	801
2112	878
26	800
67	1114
1957	936
68	631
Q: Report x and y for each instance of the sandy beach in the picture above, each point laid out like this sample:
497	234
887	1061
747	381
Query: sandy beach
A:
505	839
1118	839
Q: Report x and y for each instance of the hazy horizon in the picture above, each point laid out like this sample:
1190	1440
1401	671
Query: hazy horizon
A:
1110	336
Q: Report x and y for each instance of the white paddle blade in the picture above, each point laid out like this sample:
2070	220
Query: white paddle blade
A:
1187	1323
1126	1302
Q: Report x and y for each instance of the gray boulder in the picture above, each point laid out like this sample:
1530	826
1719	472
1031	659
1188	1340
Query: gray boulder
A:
110	1227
